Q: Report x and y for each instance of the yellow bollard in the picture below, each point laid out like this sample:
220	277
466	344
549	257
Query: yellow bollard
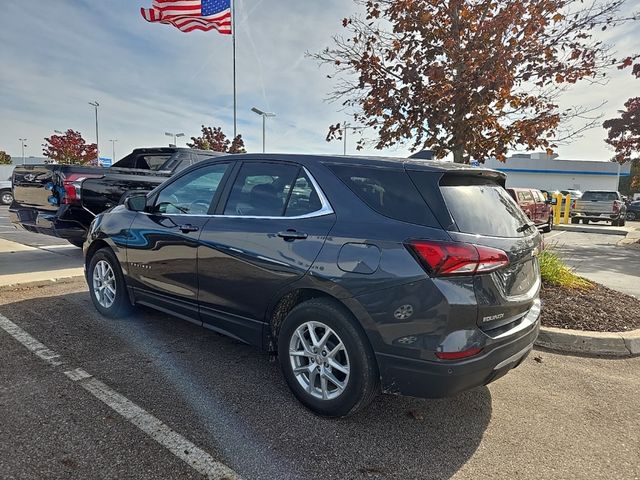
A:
556	208
567	209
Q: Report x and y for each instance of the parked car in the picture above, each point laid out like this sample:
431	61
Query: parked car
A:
575	194
6	195
599	205
62	200
415	277
535	206
633	210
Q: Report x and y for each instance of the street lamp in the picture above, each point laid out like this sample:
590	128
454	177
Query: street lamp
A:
96	105
113	149
264	117
345	129
175	137
22	140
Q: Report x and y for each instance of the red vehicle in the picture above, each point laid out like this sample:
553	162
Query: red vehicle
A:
535	206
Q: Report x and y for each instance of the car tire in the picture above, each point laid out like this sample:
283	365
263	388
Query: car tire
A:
631	216
319	373
585	221
575	220
548	227
622	222
75	242
6	197
615	223
106	285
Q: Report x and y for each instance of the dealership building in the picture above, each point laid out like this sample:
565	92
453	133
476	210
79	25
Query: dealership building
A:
547	172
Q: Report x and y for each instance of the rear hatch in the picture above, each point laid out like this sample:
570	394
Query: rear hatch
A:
474	208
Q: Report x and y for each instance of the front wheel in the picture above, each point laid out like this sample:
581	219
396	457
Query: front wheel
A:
326	359
106	285
6	197
631	216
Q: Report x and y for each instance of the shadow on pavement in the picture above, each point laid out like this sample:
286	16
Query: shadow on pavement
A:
228	398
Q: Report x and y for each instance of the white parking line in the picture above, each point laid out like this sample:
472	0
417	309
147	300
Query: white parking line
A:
178	445
29	342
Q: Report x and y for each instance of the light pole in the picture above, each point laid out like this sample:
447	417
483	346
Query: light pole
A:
96	105
113	150
175	137
264	118
22	140
345	128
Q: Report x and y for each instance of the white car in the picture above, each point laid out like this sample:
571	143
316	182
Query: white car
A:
6	195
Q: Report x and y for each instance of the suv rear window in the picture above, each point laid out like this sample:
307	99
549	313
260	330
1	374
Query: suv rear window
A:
388	192
600	196
484	209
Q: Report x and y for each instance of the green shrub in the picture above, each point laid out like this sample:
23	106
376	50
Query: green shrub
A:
554	272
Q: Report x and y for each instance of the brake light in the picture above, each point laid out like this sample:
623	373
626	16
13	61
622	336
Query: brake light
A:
458	355
73	188
616	206
449	258
573	205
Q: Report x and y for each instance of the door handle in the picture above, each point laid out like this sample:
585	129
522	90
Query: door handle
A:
290	235
186	228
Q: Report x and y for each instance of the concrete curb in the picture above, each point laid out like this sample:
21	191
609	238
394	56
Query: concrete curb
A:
603	229
615	344
41	283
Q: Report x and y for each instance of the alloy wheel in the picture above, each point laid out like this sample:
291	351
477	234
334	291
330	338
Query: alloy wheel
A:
104	284
319	360
7	198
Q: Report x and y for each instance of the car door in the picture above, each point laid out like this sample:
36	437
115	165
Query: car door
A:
163	241
266	234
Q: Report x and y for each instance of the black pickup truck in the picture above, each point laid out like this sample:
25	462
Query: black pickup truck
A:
62	200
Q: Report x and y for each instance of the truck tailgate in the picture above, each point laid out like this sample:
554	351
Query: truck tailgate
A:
32	186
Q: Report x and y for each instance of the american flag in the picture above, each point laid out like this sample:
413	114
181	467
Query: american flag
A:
189	15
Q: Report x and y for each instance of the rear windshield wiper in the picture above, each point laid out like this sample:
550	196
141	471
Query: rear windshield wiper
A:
524	226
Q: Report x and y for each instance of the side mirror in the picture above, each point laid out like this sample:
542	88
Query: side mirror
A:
136	202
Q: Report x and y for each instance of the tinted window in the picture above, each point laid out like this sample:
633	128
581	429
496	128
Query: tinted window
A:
191	194
525	197
600	196
303	198
389	192
485	210
261	189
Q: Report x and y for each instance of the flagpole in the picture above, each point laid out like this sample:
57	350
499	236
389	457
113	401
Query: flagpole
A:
233	41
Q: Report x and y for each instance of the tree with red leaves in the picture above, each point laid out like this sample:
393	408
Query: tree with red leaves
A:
70	148
5	158
471	78
213	138
624	131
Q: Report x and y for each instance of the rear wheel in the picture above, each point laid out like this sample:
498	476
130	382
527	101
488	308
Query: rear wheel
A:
106	285
549	226
631	216
575	220
622	222
585	221
326	359
6	197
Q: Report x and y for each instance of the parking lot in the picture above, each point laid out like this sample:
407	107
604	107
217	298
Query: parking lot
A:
162	398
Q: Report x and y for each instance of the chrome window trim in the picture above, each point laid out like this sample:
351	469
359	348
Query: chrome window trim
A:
325	208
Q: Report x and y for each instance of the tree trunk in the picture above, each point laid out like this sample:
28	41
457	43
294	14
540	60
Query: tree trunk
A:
458	154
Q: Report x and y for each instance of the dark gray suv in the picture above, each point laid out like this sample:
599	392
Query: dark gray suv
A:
363	274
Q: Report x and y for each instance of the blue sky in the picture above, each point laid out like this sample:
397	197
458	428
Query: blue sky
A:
56	56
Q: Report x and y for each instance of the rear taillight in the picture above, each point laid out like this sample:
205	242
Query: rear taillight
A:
73	187
458	355
449	258
616	206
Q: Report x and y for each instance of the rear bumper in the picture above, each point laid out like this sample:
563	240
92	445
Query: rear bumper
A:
434	379
45	223
597	216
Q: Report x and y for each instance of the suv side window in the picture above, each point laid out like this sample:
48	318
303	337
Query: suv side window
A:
261	189
525	197
387	191
191	194
304	198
